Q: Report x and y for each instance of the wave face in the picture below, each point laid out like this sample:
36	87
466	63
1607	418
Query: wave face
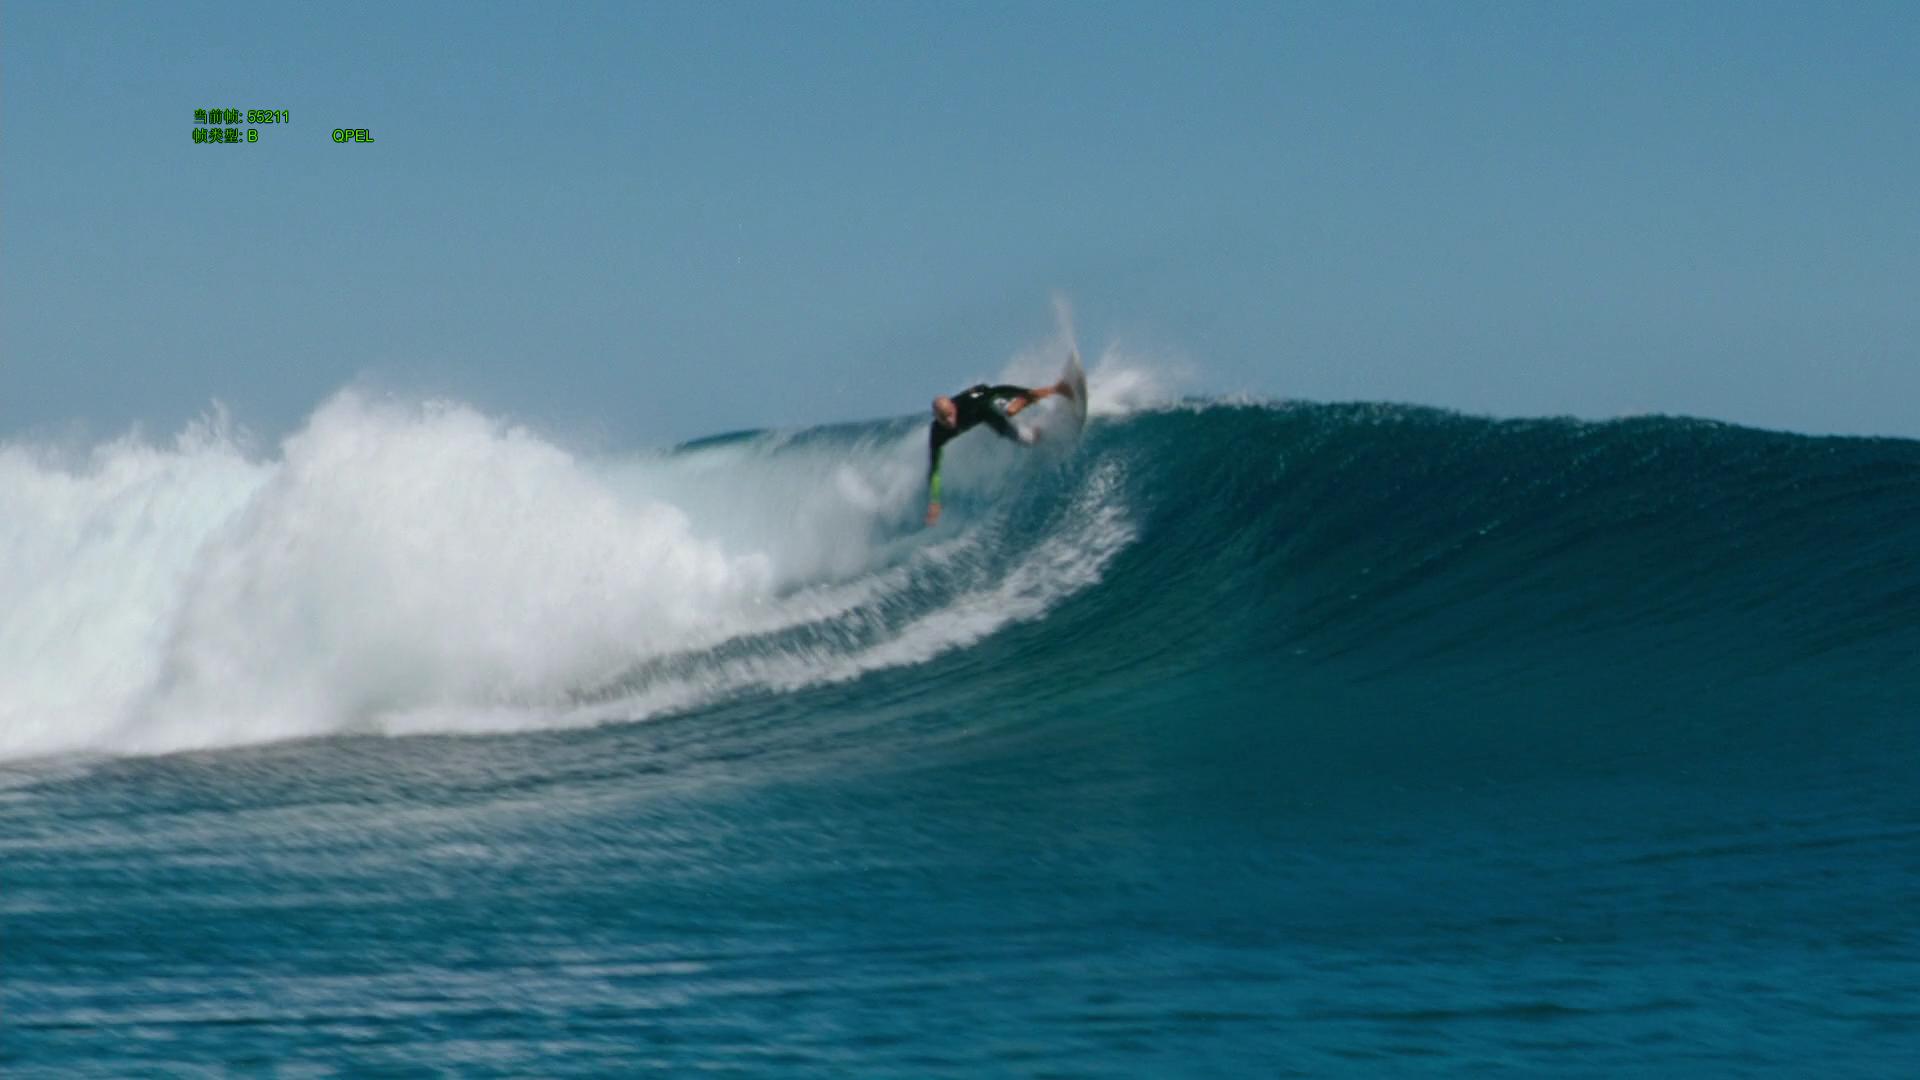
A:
407	569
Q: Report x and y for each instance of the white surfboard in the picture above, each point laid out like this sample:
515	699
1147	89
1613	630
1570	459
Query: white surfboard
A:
1075	377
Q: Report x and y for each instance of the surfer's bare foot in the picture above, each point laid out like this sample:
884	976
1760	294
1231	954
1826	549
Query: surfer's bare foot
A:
1064	387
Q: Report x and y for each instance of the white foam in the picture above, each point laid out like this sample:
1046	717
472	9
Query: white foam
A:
409	568
94	561
1063	564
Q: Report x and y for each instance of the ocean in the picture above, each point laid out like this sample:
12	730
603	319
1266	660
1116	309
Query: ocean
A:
1242	739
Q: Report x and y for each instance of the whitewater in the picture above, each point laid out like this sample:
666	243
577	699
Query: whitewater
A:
419	566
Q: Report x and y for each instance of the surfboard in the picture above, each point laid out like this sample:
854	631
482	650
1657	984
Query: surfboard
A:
1075	376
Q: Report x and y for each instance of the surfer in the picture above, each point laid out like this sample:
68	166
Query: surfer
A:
978	404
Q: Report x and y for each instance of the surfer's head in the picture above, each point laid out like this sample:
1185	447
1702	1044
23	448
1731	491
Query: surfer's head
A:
945	413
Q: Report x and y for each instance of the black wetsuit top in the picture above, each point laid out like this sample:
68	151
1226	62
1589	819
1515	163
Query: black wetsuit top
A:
977	404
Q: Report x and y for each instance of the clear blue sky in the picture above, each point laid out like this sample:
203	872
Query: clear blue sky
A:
660	221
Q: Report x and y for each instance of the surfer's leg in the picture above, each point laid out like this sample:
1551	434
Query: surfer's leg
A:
1038	393
1006	430
1001	425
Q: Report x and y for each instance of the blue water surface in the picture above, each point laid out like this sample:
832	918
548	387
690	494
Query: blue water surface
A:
1394	743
